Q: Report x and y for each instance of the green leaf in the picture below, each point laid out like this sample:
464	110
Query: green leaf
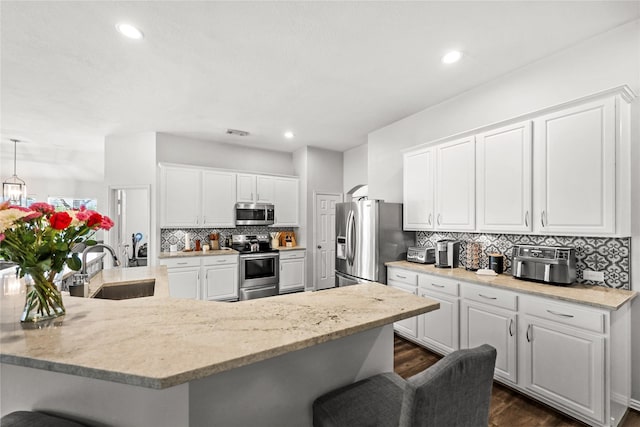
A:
74	262
90	242
62	247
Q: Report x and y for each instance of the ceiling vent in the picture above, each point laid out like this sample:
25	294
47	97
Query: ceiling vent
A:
237	132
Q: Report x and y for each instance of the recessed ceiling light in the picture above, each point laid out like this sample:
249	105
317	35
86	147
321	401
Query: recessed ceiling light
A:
130	31
451	57
289	135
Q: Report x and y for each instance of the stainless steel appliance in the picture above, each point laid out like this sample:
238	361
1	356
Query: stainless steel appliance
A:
369	233
421	255
259	266
549	264
447	253
255	214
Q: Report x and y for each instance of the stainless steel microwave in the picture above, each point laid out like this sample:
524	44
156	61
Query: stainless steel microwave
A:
254	214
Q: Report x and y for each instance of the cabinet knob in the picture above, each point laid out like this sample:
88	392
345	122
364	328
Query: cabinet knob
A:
319	246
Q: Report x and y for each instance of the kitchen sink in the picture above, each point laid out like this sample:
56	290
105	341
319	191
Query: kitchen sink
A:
127	291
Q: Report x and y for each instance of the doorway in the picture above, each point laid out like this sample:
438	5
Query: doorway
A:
130	209
324	239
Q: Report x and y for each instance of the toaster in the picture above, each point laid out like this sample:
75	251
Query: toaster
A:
421	255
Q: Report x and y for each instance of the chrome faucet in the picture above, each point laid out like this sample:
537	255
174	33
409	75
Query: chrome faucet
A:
82	277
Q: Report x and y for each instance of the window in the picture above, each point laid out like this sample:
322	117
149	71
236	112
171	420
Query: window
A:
61	203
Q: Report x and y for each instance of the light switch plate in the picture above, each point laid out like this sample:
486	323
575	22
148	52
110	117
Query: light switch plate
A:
596	276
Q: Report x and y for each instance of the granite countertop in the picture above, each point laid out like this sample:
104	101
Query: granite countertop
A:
159	342
596	296
182	254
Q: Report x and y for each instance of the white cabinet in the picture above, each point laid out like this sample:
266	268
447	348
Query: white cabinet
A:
218	199
418	190
503	179
455	185
180	196
246	188
575	170
487	317
438	329
405	281
192	197
255	188
184	277
220	278
285	200
265	189
563	358
292	271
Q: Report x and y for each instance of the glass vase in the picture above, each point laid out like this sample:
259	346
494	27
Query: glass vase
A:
43	306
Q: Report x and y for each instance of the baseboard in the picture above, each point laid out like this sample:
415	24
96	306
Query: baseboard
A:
634	404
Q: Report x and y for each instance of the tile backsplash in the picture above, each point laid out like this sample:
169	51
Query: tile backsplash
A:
175	236
610	255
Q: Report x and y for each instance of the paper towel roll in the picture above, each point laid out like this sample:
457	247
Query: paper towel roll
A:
187	241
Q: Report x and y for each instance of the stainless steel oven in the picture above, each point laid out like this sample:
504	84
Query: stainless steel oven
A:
259	274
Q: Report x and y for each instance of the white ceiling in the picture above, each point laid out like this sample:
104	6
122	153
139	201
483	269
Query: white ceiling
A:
329	71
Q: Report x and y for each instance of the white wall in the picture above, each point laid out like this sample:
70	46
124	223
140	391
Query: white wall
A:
178	149
609	60
355	169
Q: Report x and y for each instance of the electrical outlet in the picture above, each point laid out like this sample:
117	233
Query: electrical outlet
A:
596	276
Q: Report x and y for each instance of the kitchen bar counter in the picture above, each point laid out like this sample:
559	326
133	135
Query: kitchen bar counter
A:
596	296
183	254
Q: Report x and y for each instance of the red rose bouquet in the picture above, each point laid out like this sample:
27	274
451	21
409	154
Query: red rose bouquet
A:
40	240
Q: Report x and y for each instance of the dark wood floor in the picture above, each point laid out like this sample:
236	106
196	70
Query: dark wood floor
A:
508	408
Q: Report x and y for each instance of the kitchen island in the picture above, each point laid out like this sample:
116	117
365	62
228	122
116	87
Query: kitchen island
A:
164	361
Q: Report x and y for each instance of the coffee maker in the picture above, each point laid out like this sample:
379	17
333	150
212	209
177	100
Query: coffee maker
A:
447	253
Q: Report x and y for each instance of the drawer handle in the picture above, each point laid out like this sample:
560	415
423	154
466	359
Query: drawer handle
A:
437	286
402	277
181	263
560	314
510	326
486	297
528	329
221	260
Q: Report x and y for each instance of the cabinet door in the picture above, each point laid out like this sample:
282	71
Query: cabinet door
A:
219	198
184	282
503	179
286	202
180	199
438	329
265	189
418	190
407	327
483	324
575	170
220	282
291	275
455	185
246	188
565	366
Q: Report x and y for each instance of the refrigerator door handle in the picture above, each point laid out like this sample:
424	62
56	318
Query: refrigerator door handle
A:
349	247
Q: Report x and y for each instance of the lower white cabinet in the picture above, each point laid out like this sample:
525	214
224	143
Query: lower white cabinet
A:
571	356
206	278
292	271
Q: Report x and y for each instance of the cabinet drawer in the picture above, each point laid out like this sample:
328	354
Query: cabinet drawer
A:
490	296
220	259
567	314
291	254
181	262
431	283
403	276
403	287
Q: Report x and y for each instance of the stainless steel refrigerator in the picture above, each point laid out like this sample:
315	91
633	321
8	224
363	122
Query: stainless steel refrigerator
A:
368	234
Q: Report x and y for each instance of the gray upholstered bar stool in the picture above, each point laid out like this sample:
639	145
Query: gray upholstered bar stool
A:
456	391
36	419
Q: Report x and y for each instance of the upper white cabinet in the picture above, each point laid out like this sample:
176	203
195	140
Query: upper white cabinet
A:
180	200
255	188
575	167
455	185
192	197
503	179
418	194
218	199
285	200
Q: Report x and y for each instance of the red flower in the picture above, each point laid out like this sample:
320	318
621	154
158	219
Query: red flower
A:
1	237
42	207
95	219
32	215
60	220
106	223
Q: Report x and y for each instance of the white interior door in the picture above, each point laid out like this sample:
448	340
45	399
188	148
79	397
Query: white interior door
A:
324	247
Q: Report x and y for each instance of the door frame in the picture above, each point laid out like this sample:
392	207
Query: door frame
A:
316	193
112	238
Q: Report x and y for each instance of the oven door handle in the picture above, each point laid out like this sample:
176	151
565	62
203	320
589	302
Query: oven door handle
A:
260	255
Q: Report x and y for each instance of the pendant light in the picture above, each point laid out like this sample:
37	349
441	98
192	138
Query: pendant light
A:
14	189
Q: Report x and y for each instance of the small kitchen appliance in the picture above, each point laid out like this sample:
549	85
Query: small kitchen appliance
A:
555	265
259	266
255	214
421	255
447	253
